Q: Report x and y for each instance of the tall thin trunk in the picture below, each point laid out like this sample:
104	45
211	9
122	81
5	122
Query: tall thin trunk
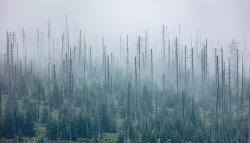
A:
237	81
139	57
177	66
44	104
151	63
192	65
108	88
183	116
217	102
80	46
127	58
146	50
163	48
90	58
185	64
242	82
136	85
169	56
38	102
128	113
229	86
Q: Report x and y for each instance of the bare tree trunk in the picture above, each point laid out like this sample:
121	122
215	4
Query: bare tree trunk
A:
127	58
169	56
90	58
185	64
183	116
136	87
151	59
128	114
146	50
38	102
237	81
217	103
229	86
163	48
242	82
108	88
139	57
177	66
80	46
192	65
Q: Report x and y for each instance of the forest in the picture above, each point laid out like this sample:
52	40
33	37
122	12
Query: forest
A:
59	87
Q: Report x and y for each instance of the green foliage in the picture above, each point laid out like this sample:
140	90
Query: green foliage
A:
75	99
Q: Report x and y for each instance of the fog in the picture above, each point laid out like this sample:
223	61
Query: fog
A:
124	71
217	20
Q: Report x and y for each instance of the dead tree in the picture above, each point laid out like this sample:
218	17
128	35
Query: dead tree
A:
192	65
217	102
242	82
90	58
139	57
185	64
183	116
151	67
127	58
169	56
163	48
136	86
229	86
80	46
128	114
146	50
237	81
177	66
38	102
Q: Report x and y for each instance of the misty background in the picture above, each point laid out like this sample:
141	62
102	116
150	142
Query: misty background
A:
221	20
124	70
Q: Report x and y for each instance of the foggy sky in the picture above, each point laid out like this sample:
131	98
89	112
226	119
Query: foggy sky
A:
217	19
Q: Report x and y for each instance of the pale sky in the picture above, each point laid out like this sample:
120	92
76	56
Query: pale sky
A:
216	19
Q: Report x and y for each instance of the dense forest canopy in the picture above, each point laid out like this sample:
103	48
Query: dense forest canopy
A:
65	89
